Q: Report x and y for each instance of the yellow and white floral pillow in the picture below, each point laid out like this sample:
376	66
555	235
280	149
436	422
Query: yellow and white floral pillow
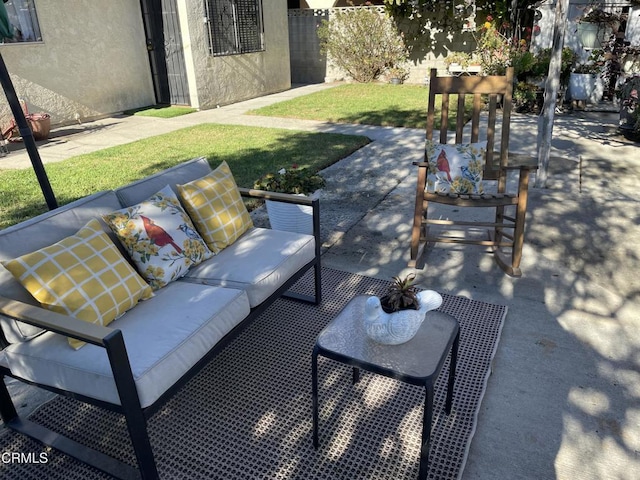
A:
455	168
159	237
84	276
216	207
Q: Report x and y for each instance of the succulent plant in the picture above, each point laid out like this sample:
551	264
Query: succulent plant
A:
402	294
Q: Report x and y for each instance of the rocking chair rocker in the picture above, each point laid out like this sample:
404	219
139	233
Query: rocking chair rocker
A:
435	183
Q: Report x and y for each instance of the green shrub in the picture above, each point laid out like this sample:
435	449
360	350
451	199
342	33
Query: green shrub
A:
362	43
523	63
294	180
541	67
525	97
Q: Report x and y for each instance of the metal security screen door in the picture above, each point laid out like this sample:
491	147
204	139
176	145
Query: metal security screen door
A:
164	42
234	26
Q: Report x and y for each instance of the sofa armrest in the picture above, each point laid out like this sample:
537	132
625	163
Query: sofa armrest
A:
314	203
278	197
111	339
55	322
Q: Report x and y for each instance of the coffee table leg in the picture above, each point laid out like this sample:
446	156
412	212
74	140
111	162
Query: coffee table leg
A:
314	395
452	372
426	433
355	375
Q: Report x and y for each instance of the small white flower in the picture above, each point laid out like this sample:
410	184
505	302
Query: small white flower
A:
282	171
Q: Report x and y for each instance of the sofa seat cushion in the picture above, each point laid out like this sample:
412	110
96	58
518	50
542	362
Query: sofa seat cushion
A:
165	336
259	262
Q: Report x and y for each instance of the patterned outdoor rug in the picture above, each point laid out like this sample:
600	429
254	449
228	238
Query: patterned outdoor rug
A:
248	414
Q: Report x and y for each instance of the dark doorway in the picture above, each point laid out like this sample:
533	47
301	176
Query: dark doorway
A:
164	43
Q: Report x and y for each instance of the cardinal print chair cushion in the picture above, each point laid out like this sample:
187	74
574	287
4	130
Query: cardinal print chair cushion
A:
455	168
159	237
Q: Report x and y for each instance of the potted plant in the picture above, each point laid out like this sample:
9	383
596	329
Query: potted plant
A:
629	95
396	317
298	181
458	62
397	75
585	81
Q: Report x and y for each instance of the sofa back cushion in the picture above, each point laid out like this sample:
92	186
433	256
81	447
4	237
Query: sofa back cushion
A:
84	276
159	238
216	208
39	232
141	190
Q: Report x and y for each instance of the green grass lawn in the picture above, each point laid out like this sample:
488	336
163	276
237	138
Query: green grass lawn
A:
250	152
161	111
360	103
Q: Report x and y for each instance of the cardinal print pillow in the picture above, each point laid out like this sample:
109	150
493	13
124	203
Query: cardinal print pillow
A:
159	237
455	168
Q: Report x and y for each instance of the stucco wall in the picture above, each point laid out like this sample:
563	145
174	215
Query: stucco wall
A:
92	61
232	78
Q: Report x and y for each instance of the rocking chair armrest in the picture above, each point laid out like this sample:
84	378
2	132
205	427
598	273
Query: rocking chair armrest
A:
421	164
518	160
56	322
520	167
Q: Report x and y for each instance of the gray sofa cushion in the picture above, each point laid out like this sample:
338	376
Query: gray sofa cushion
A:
259	262
139	191
39	232
164	336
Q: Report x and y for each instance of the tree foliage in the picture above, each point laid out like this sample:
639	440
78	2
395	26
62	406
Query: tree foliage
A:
452	15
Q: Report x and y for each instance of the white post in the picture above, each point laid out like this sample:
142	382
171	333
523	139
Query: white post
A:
545	121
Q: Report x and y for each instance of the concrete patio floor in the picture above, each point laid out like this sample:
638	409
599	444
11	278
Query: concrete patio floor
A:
563	401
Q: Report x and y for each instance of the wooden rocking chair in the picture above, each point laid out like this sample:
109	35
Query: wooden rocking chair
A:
507	231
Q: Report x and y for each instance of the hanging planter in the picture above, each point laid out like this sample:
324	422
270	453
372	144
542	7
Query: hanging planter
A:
591	35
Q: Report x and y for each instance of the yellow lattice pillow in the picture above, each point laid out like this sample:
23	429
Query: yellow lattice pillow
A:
83	276
216	208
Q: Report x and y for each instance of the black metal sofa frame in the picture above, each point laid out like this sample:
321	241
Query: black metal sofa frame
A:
112	341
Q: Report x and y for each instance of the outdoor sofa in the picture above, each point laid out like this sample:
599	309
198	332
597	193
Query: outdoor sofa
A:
137	362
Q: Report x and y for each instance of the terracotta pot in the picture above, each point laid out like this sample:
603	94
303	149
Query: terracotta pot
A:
40	124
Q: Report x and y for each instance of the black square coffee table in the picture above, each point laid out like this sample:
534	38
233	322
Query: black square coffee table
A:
417	362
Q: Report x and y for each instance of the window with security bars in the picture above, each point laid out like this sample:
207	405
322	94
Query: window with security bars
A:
20	23
234	26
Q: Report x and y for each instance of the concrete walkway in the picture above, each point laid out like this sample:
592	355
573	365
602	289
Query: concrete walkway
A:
563	401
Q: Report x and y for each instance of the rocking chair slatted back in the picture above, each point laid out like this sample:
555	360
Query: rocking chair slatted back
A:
487	95
490	91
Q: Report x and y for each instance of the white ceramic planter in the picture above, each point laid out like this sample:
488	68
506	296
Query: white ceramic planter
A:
290	217
397	327
586	86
